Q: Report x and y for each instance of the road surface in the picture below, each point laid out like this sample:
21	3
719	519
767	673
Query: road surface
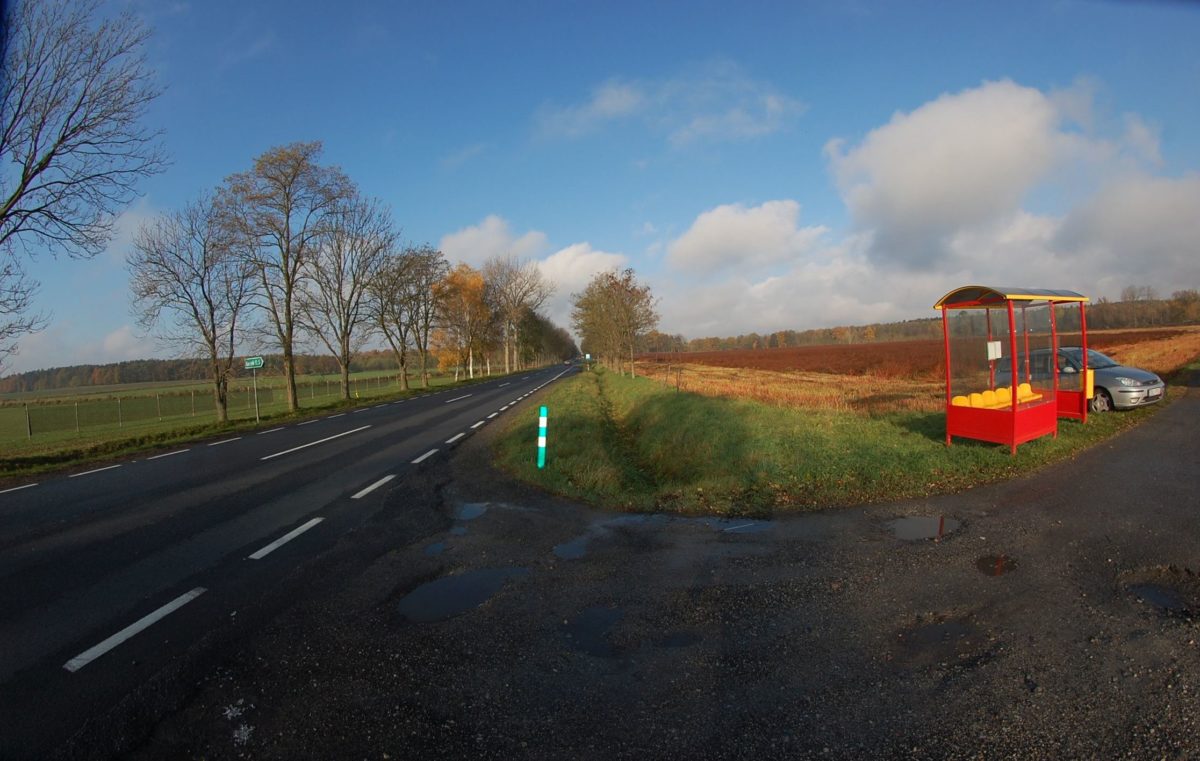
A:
109	575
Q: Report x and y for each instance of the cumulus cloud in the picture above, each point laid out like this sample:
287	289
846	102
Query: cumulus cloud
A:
570	269
961	160
736	236
717	102
475	244
1139	229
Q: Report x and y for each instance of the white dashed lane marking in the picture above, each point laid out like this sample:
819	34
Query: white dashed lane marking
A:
92	653
289	536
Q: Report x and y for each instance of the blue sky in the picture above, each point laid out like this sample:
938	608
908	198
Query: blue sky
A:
763	165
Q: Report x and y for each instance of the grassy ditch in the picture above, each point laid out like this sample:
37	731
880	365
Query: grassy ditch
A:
639	445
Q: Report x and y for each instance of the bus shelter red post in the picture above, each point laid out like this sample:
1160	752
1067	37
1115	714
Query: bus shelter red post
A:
946	346
1084	350
1012	347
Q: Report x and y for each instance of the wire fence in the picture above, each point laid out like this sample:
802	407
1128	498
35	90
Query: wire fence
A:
79	417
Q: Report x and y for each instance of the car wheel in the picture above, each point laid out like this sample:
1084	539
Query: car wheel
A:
1101	402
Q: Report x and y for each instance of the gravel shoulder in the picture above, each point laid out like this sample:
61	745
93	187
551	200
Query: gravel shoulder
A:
474	617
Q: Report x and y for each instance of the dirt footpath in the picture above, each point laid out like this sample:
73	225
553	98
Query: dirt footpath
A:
1056	617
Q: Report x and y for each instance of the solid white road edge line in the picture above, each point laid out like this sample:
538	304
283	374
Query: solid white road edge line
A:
92	653
455	438
424	457
314	443
458	399
89	472
17	488
168	454
226	441
289	536
481	422
373	487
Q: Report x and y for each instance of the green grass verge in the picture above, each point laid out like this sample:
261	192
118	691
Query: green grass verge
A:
637	445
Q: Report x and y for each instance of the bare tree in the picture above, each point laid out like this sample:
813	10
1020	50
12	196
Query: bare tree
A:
73	92
192	288
516	286
333	300
387	304
427	268
16	298
284	206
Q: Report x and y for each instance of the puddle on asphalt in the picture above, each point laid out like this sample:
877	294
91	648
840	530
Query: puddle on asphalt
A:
588	631
574	549
995	565
451	595
459	530
470	511
1164	598
917	527
679	639
937	634
1170	590
437	548
577	547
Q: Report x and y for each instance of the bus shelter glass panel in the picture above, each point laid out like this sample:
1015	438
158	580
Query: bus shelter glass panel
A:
980	349
1036	354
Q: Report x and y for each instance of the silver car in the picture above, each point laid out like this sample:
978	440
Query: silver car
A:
1116	386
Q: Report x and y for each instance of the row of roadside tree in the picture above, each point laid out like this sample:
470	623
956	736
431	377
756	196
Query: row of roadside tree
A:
291	251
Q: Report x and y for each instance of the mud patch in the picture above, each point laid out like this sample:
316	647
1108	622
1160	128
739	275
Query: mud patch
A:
1170	591
995	565
938	640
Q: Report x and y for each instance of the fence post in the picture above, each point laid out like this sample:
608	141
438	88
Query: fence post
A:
120	421
28	423
193	402
76	417
158	407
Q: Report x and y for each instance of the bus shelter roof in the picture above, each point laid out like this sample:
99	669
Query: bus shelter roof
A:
982	296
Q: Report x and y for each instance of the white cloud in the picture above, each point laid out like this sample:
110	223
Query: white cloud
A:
609	101
960	160
1138	230
491	237
570	269
123	343
716	102
747	238
462	156
1142	139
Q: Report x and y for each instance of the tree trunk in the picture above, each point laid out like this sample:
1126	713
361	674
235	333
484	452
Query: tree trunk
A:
344	368
289	375
471	363
220	398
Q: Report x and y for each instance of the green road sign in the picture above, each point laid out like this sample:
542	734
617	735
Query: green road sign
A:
254	363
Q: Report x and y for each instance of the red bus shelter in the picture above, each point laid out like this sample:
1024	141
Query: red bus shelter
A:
1006	378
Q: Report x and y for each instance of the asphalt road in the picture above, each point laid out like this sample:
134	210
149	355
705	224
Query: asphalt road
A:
108	576
1057	616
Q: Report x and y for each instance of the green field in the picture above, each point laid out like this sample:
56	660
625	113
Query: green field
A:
69	426
639	445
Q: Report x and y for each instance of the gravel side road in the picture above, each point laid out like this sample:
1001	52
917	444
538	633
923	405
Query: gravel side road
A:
1056	617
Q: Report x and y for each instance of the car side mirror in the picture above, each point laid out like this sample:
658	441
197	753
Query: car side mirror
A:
1069	369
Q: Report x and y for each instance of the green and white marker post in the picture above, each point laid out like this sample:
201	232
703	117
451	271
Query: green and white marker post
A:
542	414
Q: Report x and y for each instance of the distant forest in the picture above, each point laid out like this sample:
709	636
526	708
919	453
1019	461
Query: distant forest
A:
1139	307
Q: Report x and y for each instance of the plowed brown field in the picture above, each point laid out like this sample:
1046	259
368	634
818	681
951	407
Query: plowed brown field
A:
923	359
878	377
